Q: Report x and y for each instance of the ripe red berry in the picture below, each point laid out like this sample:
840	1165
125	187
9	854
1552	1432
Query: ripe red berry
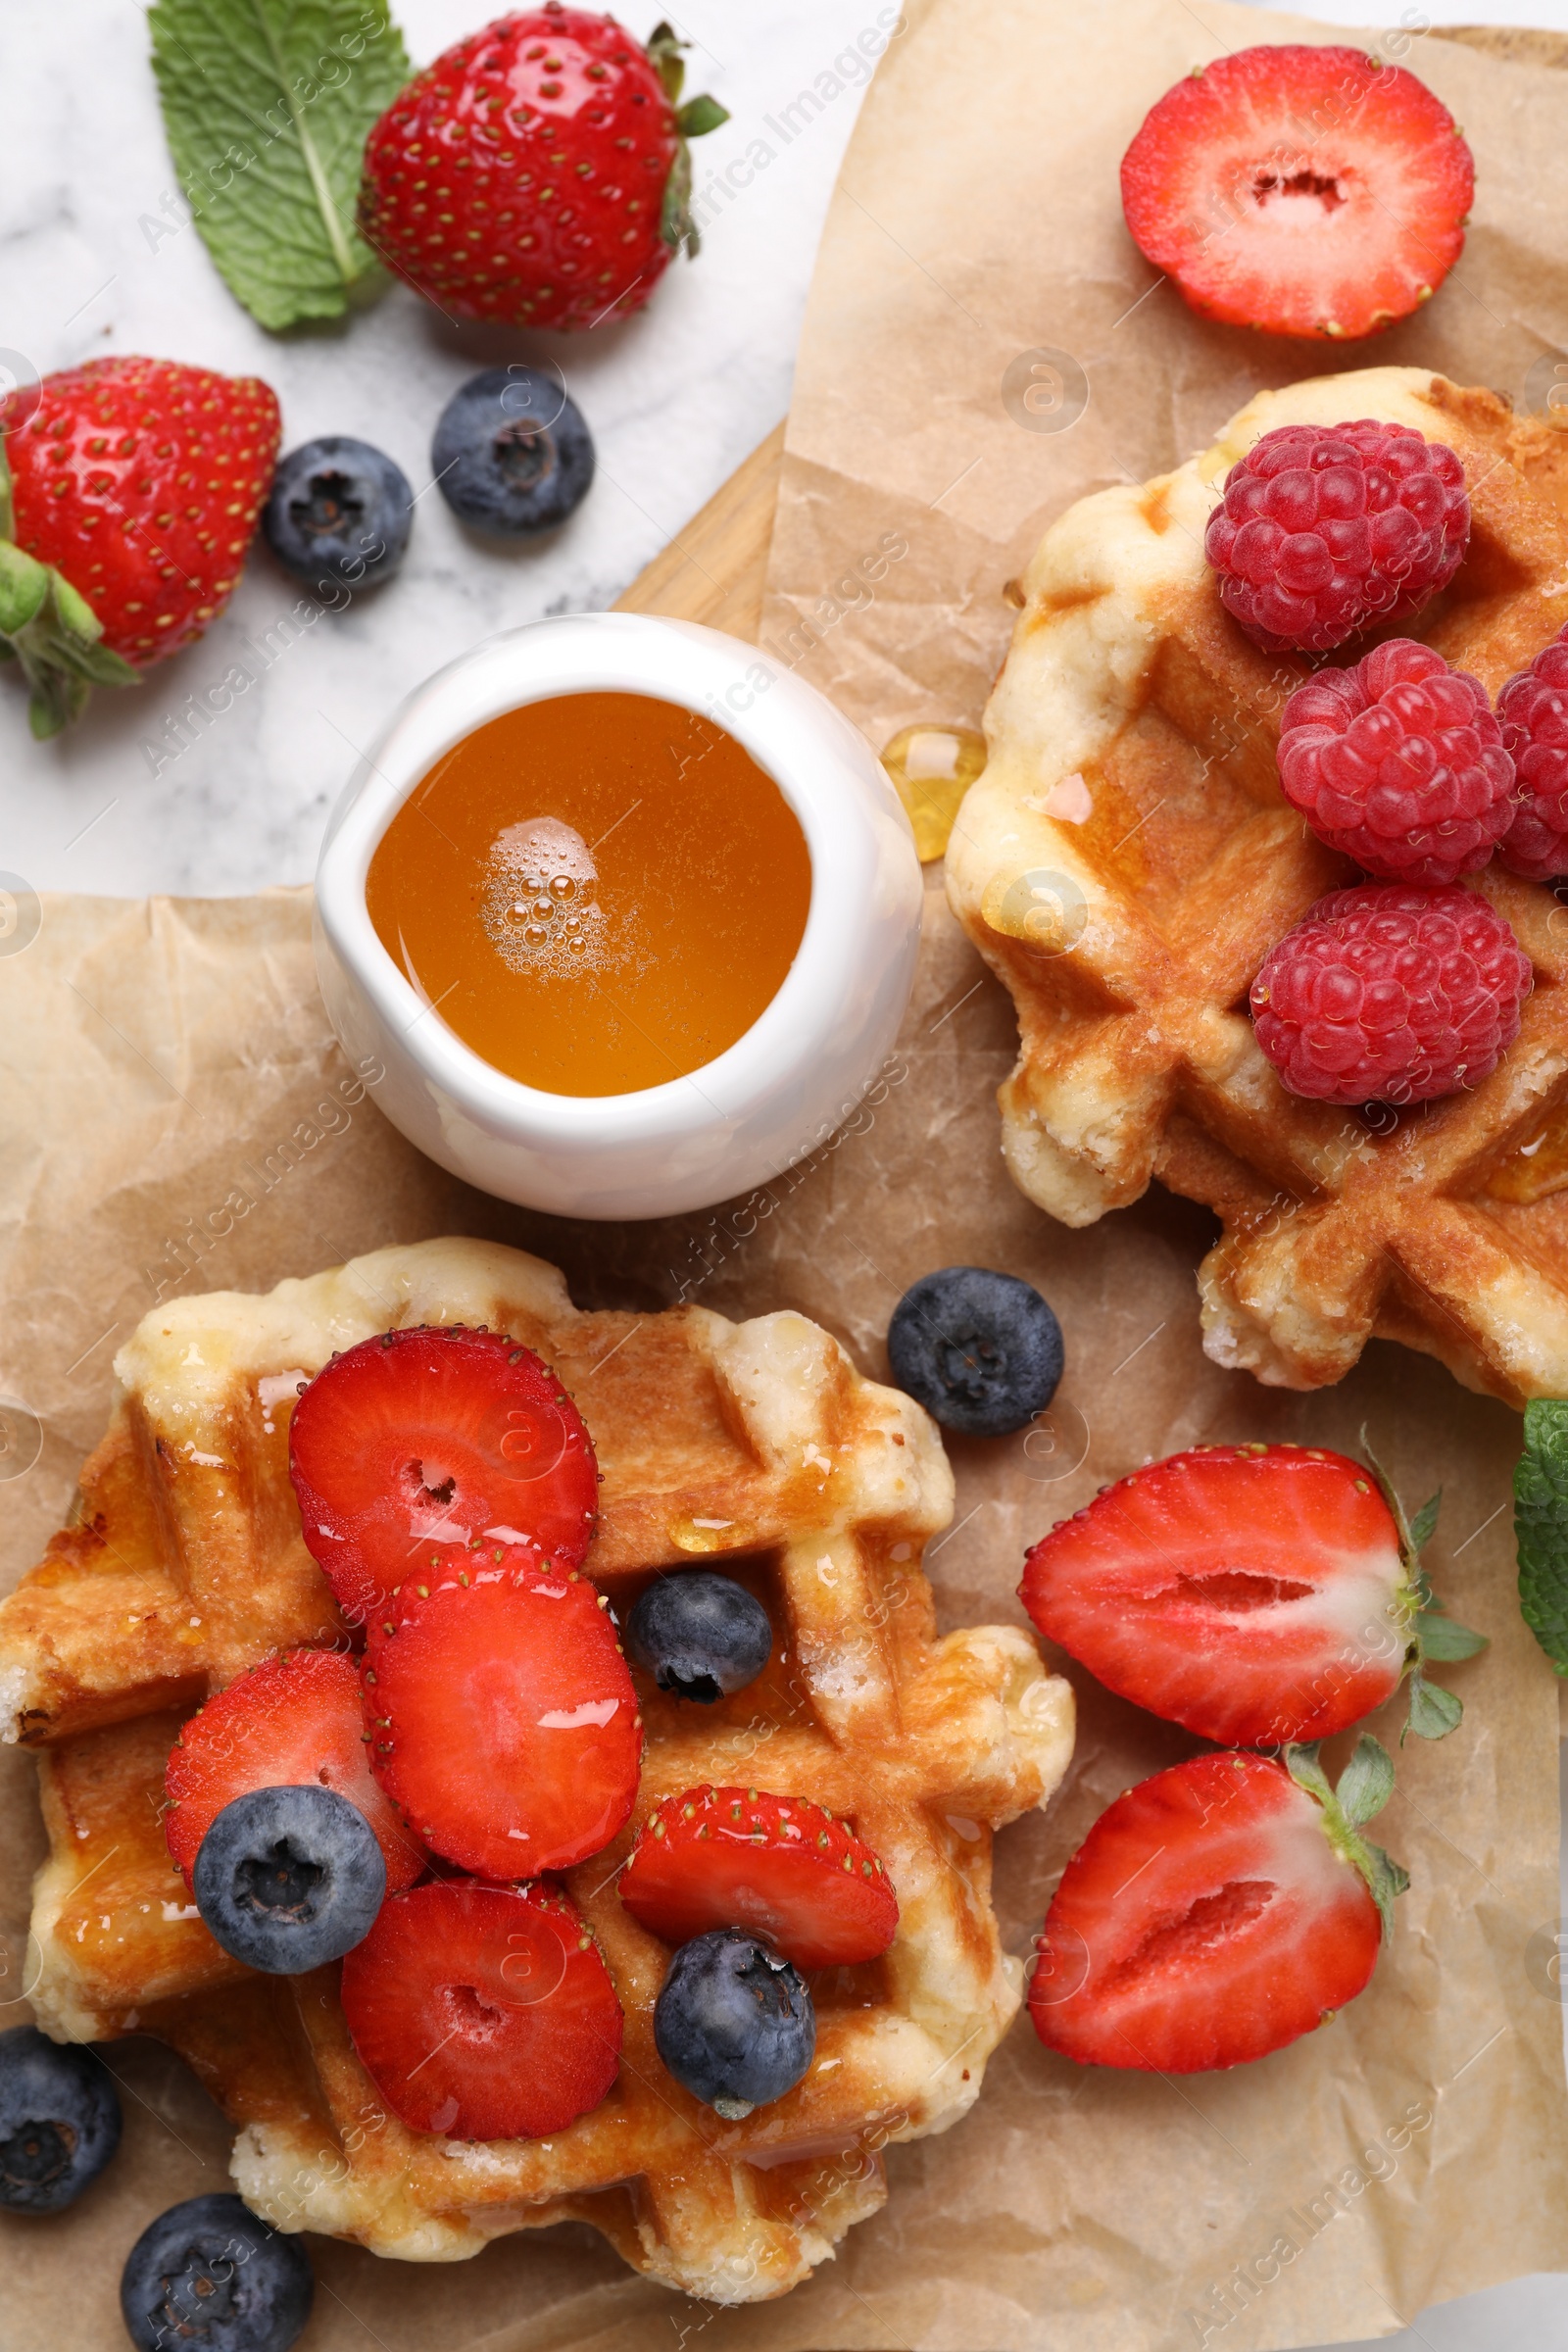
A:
1400	763
1214	1914
437	1437
536	174
1305	190
137	483
1532	708
503	1719
292	1721
1391	994
1325	528
1255	1593
484	2012
780	1866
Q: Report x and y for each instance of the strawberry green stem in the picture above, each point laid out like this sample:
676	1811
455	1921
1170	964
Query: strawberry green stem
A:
1433	1636
1365	1786
693	121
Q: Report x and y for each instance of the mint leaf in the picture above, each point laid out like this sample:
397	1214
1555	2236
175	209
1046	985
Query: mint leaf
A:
1540	1526
266	106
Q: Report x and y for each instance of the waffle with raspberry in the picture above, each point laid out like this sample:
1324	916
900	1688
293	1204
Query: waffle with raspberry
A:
1127	861
755	1445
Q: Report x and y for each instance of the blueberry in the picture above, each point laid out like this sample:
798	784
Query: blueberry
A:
209	2273
287	1879
981	1351
339	511
512	451
698	1634
59	2121
734	2021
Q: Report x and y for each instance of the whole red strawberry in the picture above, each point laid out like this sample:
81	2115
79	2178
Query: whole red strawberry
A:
134	489
537	172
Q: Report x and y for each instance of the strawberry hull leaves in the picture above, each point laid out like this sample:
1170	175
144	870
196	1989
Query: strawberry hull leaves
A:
694	120
51	630
1540	1526
267	103
1437	1638
1365	1787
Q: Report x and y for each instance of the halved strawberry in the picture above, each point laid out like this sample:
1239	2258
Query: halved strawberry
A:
1255	1593
436	1435
484	2012
780	1866
290	1720
503	1719
1308	191
1215	1913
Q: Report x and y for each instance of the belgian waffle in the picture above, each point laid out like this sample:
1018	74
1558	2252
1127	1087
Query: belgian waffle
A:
1127	859
754	1444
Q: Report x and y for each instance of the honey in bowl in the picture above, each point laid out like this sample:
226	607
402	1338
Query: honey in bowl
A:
598	893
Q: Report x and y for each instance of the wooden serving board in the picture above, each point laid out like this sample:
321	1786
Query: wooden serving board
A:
715	570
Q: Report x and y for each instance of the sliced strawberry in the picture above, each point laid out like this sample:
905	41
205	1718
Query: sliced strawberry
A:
1215	1913
503	1719
290	1720
484	2012
1308	191
436	1437
1255	1593
780	1866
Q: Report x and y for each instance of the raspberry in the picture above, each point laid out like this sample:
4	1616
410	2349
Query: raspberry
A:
1532	708
1390	994
1400	763
1324	528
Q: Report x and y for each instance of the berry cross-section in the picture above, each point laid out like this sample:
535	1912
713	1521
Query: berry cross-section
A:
436	1437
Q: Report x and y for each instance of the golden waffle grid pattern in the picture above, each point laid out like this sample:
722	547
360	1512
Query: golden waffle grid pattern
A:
1127	859
758	1444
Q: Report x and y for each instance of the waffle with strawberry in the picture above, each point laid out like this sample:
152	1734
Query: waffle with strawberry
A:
487	1481
1263	851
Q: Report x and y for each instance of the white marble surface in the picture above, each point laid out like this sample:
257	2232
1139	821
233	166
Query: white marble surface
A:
675	400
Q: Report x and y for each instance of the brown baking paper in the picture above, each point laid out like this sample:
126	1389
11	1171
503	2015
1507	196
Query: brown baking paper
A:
177	1117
